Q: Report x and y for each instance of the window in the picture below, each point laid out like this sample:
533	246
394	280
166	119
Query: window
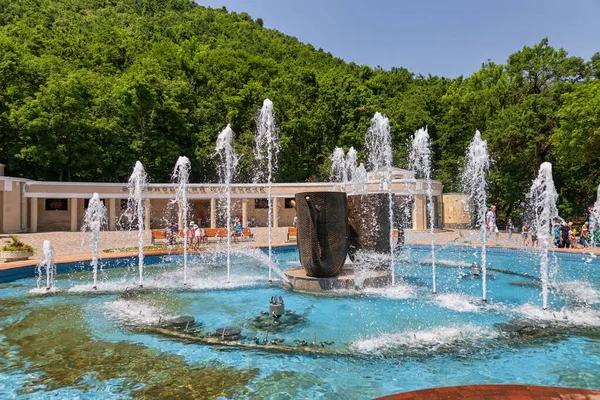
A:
261	203
57	204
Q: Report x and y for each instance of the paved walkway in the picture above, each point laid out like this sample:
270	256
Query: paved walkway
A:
73	246
498	392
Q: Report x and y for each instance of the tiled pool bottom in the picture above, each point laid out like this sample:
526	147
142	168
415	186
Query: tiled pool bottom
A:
95	344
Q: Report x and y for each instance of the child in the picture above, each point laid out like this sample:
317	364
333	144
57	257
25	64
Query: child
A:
525	234
197	235
534	239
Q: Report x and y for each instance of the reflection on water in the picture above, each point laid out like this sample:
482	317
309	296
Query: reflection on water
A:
61	351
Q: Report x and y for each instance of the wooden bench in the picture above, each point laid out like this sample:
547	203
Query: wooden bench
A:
161	234
246	233
158	234
219	233
292	232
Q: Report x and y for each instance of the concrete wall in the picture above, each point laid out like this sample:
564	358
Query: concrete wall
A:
455	215
11	207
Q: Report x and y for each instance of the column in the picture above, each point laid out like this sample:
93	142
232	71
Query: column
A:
33	214
244	212
213	213
275	212
112	217
147	214
420	213
74	208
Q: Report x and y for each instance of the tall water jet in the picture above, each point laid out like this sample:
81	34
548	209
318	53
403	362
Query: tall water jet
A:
420	162
339	168
137	184
47	261
543	197
477	163
378	144
93	220
227	167
351	165
360	180
266	151
181	177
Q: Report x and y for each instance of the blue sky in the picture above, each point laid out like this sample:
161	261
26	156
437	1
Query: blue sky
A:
448	38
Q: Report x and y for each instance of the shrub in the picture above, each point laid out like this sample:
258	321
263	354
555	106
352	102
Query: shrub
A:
14	244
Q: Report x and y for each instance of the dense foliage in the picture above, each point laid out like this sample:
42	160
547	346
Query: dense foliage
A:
87	87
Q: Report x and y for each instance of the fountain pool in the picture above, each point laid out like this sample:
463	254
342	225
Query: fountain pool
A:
120	341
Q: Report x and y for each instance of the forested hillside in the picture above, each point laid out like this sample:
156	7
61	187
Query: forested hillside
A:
87	87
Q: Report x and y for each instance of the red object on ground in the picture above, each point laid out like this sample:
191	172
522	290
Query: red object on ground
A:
498	392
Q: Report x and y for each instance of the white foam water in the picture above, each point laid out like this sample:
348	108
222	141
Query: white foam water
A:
585	317
579	291
428	340
171	280
401	290
131	312
458	302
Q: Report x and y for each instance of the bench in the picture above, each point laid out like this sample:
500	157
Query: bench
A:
158	234
292	232
246	233
219	233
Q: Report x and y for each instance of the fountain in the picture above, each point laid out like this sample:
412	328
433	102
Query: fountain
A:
47	261
477	163
181	177
543	198
323	246
266	151
359	180
348	340
378	144
339	168
227	167
137	184
351	164
93	220
420	163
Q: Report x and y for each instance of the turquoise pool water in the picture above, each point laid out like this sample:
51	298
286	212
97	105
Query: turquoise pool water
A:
78	342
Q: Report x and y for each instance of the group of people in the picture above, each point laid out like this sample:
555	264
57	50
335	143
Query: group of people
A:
195	234
565	236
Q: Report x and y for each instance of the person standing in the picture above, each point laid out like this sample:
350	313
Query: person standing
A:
490	220
510	227
564	232
585	233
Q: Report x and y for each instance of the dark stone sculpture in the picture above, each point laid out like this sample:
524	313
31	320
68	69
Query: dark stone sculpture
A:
369	223
322	232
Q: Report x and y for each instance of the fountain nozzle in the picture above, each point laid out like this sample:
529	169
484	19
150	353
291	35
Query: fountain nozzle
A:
276	307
